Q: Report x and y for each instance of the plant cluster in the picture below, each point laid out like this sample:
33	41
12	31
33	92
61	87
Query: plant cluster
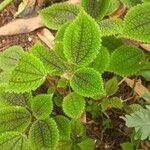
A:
87	45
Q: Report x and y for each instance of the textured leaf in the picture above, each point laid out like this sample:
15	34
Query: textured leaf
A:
111	43
13	141
27	75
4	77
82	40
137	23
14	119
126	60
96	8
44	134
116	102
52	62
140	120
105	104
127	146
131	3
87	82
42	106
56	15
23	100
87	144
9	57
111	26
73	105
114	5
111	86
101	62
64	145
64	127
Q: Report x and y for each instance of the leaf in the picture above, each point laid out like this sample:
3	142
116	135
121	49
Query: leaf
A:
111	26
64	145
44	134
58	101
64	127
9	57
56	15
137	23
42	106
13	141
111	86
140	120
21	26
111	43
73	105
28	75
14	119
77	129
82	40
10	99
127	146
116	102
105	104
4	77
126	60
52	62
114	5
101	62
131	3
96	8
87	82
87	144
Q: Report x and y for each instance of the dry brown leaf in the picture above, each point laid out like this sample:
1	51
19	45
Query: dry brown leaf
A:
73	1
47	37
146	47
139	88
21	26
119	12
83	118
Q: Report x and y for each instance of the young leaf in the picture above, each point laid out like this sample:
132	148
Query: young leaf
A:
56	15
87	144
126	60
111	86
27	75
131	3
96	8
42	106
140	120
127	146
52	62
111	26
137	23
64	127
105	104
10	99
14	119
13	141
101	62
82	40
9	57
116	102
87	82
73	105
44	134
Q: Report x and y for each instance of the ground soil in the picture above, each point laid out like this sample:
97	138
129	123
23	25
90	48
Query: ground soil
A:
109	139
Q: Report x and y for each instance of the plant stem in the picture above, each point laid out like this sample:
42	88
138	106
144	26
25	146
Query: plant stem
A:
4	3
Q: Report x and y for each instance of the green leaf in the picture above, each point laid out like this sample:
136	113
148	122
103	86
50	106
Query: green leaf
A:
137	23
101	62
126	60
77	129
140	120
111	86
4	77
111	43
44	134
114	5
131	3
56	15
42	106
111	26
9	57
64	127
82	40
28	75
10	99
13	141
87	82
58	100
73	105
52	62
64	145
105	104
116	102
87	144
14	119
127	146
96	8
